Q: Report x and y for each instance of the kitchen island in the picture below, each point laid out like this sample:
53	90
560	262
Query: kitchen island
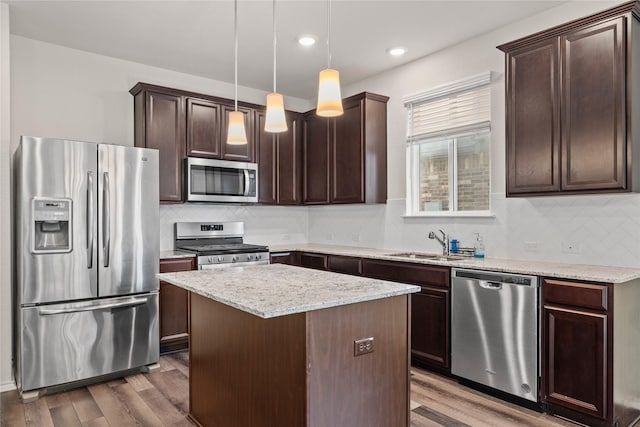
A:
277	345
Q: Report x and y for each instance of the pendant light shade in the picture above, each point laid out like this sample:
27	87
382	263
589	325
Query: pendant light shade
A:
275	120
329	97
236	134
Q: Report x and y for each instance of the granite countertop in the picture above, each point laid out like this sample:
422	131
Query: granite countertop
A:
277	290
176	254
595	273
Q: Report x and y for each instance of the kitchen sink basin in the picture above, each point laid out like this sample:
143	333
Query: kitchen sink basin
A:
436	257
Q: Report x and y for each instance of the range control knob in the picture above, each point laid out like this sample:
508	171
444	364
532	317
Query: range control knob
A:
220	259
210	260
258	256
250	257
234	259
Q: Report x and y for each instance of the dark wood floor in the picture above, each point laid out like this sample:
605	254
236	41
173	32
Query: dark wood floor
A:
161	398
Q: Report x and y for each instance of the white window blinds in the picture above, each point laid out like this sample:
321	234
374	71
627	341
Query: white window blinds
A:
452	110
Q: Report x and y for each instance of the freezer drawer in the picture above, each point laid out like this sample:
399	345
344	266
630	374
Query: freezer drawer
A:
61	343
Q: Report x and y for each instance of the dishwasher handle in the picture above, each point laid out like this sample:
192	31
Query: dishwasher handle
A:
490	285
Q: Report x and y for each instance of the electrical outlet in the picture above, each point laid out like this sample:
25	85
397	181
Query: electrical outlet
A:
531	246
362	346
571	247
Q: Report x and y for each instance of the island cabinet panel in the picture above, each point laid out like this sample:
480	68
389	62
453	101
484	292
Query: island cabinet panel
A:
577	361
571	100
345	264
174	307
299	369
203	128
367	390
159	124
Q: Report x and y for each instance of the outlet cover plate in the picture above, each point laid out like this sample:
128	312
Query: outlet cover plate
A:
363	346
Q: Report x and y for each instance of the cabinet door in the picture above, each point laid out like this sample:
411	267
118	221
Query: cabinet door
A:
290	161
347	155
315	185
533	119
594	114
430	328
242	153
174	307
345	264
203	128
404	272
317	261
575	356
266	148
164	118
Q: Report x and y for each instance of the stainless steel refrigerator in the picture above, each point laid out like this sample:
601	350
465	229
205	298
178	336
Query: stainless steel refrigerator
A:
87	250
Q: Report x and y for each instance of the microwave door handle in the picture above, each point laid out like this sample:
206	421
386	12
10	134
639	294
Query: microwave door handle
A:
246	182
106	220
90	220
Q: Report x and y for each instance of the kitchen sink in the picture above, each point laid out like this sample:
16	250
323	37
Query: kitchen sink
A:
436	257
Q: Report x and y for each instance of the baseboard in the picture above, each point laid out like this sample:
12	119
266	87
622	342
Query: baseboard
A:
6	386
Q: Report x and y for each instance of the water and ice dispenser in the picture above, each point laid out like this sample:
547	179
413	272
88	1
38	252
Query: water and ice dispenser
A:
52	225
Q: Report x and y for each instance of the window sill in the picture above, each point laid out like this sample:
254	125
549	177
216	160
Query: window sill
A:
475	214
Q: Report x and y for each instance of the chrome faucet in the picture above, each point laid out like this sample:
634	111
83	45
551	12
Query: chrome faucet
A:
444	241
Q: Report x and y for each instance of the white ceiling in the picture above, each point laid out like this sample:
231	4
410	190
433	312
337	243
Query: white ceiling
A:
196	37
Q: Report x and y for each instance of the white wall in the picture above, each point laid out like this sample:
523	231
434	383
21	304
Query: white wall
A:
606	227
5	227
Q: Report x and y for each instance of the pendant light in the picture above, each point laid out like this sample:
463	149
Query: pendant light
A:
236	134
275	120
329	97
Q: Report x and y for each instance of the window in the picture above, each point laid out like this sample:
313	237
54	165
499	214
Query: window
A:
449	149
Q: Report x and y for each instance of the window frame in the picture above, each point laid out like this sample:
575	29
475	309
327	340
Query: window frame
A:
412	161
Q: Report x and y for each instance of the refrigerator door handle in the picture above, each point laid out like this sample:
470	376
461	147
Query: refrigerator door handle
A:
90	220
246	182
106	220
129	303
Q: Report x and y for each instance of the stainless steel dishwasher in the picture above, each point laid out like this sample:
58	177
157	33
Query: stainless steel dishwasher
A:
494	330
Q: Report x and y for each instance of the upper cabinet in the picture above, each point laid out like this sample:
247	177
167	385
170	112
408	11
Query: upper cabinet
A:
345	158
203	128
244	152
159	124
569	104
279	161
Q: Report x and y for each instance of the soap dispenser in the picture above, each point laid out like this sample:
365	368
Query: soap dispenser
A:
479	246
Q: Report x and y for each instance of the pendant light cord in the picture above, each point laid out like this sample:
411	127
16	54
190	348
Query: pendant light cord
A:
274	46
235	35
328	33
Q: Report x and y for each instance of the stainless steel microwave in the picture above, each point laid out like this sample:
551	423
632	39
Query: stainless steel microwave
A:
211	180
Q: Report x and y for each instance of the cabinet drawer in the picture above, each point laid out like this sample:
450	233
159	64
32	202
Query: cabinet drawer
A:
404	272
317	261
171	265
584	295
345	264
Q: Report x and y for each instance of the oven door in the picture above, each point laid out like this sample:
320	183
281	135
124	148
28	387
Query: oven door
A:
229	265
210	180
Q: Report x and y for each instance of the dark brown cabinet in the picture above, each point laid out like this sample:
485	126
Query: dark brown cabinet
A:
290	258
203	128
159	124
242	153
569	96
430	319
311	260
577	350
174	307
279	158
345	264
345	159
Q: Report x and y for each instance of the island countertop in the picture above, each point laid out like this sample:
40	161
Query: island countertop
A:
276	289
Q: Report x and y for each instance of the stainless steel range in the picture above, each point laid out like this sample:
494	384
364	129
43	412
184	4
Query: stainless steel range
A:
219	244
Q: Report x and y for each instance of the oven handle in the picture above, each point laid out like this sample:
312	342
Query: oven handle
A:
231	265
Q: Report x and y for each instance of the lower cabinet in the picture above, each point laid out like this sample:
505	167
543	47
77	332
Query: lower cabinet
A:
430	319
311	260
577	350
290	258
174	307
345	264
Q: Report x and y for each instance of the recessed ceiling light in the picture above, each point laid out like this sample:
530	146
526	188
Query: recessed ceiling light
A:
397	51
307	40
